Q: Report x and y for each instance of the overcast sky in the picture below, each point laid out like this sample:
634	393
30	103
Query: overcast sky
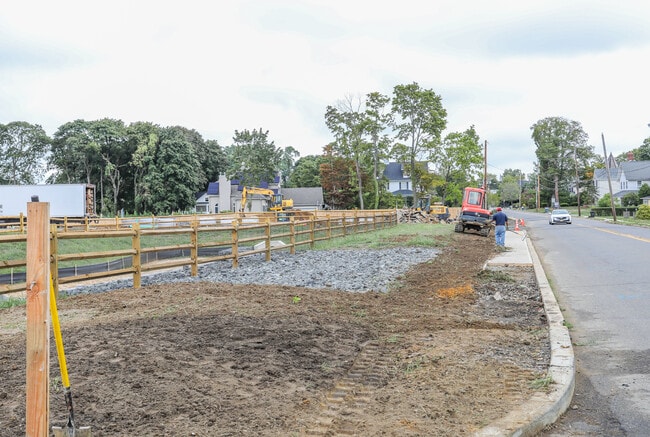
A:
221	66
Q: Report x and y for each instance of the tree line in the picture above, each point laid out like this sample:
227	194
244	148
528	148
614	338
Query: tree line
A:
145	168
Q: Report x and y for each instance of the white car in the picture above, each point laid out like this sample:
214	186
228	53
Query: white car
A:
559	216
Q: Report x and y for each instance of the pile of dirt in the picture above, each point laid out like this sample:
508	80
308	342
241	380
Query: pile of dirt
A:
448	350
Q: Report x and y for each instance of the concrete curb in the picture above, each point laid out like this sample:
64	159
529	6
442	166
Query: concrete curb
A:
543	408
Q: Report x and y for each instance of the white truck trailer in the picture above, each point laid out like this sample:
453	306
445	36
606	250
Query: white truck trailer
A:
66	200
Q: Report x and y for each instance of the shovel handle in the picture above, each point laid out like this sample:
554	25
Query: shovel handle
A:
56	326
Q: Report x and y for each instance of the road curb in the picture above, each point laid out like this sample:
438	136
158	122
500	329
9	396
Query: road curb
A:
543	408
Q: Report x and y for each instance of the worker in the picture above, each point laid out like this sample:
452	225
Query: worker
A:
500	220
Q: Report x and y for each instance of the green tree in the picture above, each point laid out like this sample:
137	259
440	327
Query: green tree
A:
644	191
378	119
458	160
109	138
348	123
630	199
173	184
23	148
74	156
144	138
509	190
253	158
306	172
337	175
643	152
287	163
419	119
562	150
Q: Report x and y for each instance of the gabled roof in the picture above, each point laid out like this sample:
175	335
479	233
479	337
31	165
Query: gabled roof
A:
311	196
636	170
394	171
633	170
213	188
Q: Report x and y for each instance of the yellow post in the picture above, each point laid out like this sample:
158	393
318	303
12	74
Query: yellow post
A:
38	321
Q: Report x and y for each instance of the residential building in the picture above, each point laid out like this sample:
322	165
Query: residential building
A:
399	180
626	177
225	195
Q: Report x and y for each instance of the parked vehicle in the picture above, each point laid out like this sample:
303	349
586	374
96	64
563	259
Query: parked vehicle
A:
473	215
559	216
66	200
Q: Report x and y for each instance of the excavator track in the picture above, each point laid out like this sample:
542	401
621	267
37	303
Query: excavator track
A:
350	395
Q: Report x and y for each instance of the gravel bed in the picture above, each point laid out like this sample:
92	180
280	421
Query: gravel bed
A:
348	270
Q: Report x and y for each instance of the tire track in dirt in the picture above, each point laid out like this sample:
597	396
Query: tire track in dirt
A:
350	394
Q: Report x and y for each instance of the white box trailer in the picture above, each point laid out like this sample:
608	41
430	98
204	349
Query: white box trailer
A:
66	200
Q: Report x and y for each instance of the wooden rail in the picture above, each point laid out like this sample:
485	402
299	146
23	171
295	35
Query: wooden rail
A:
228	233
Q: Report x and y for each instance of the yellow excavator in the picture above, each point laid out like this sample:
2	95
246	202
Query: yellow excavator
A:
276	202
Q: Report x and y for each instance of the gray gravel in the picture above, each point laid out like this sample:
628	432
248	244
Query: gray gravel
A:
348	270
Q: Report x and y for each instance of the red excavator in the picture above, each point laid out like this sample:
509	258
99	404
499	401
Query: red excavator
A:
473	214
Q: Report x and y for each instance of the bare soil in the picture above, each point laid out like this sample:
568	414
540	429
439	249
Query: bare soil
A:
450	349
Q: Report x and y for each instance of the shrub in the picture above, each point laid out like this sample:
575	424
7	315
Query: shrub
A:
643	212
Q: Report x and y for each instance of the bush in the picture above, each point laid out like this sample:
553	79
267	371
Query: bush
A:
630	199
643	212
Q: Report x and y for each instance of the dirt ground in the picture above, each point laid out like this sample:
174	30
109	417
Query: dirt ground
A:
446	352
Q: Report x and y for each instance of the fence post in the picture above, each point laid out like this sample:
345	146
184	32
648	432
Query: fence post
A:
292	237
195	247
268	239
235	246
136	261
329	226
312	237
344	220
38	321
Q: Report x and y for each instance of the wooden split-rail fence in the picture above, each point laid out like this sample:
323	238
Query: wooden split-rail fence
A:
230	236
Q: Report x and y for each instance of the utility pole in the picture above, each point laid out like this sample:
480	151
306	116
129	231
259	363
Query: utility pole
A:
609	179
575	159
537	196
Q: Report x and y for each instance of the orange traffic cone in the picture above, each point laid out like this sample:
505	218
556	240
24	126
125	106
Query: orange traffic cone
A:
522	223
516	224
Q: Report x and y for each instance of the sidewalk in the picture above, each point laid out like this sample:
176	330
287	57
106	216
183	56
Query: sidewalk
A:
543	408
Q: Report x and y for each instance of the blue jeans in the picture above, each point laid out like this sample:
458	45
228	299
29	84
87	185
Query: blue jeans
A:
500	235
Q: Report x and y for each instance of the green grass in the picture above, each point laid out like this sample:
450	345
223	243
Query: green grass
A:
403	235
11	302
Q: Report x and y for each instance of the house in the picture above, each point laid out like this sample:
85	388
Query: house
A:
225	195
399	181
627	177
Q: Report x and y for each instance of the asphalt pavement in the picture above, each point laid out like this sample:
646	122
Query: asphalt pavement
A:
544	408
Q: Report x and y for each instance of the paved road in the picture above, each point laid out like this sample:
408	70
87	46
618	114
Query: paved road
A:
599	273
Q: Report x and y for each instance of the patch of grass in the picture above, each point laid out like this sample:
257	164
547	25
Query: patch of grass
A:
393	338
414	365
540	383
427	235
495	275
569	325
11	302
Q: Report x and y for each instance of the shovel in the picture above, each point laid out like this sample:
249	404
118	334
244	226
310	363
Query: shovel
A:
69	430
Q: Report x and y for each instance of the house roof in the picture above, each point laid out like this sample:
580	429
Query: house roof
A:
395	171
633	170
307	196
213	188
